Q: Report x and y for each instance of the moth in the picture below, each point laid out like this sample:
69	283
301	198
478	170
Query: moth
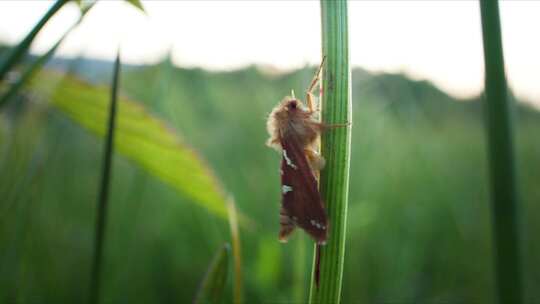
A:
294	131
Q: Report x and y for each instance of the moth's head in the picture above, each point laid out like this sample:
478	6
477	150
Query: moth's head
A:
289	108
292	106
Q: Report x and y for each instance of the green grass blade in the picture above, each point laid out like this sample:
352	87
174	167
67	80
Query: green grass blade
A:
16	53
85	6
213	283
235	238
35	66
101	217
335	147
299	270
28	73
137	4
140	137
501	160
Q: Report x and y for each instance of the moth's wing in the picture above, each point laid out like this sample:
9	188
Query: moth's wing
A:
286	224
302	204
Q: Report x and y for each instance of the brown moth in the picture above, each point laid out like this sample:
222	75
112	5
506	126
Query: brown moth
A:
294	131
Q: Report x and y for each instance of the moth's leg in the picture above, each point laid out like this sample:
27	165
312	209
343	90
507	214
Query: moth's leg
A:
312	86
323	127
309	98
287	225
316	161
338	125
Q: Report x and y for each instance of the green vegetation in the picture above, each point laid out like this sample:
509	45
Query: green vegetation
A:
419	216
142	138
103	198
15	54
336	149
212	286
504	193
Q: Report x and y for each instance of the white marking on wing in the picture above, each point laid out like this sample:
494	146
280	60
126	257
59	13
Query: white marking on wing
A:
285	189
317	224
288	160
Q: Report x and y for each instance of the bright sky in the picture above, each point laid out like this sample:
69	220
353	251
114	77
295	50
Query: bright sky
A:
435	40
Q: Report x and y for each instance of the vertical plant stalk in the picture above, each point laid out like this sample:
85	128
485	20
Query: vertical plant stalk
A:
299	270
501	160
335	147
16	53
101	217
235	240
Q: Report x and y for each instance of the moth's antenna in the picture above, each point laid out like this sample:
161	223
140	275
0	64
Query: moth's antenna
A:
292	94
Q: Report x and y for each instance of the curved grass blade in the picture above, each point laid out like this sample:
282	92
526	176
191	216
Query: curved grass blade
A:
335	147
16	53
140	137
101	217
213	283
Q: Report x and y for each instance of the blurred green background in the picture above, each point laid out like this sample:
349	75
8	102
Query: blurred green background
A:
418	223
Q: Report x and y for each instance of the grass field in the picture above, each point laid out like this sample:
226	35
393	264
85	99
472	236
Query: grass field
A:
418	224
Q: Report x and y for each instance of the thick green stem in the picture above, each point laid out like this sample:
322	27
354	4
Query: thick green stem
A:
501	160
16	53
335	147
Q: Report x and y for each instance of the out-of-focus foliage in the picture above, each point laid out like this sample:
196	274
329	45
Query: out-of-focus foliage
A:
32	68
419	218
139	136
500	147
137	4
15	54
85	6
213	283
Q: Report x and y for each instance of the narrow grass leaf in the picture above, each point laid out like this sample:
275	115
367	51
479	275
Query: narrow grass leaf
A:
335	147
235	238
213	283
28	73
102	207
36	65
15	54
